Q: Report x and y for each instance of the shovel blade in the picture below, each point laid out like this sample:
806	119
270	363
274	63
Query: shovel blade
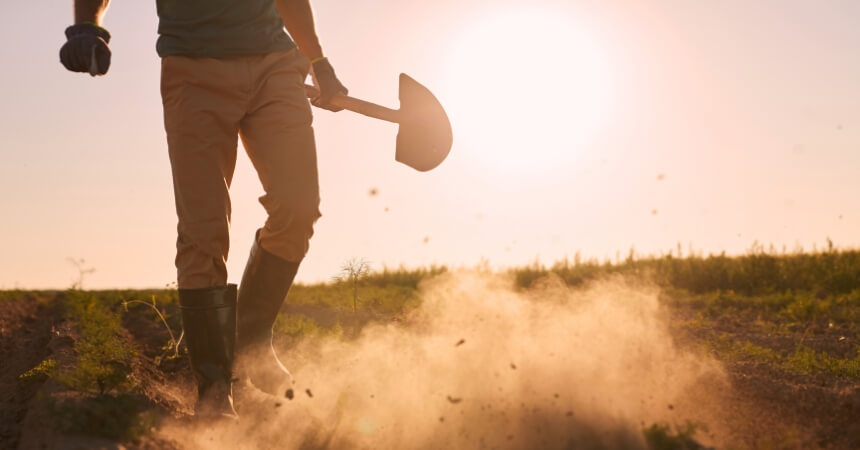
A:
424	138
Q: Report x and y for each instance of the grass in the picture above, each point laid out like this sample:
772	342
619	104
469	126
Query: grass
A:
807	361
794	308
104	356
17	294
760	271
107	401
802	360
299	326
771	298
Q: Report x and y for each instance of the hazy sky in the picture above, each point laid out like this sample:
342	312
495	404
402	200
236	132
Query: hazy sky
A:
586	126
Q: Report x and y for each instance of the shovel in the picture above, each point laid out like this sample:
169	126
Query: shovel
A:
424	137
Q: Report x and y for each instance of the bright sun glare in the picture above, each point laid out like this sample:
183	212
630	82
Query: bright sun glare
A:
528	89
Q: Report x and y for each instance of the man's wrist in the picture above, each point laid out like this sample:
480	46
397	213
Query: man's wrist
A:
95	25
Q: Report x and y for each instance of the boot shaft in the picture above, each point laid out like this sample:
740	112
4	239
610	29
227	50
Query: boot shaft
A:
265	284
209	321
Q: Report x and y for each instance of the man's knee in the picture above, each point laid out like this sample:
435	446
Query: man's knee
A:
287	233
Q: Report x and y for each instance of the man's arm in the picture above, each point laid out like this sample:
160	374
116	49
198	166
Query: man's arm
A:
298	18
86	48
91	11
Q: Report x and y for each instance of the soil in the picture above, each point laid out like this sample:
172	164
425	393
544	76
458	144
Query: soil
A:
25	331
768	407
763	406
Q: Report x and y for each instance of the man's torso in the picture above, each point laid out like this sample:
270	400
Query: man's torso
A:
220	28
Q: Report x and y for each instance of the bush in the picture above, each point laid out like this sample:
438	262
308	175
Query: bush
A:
103	356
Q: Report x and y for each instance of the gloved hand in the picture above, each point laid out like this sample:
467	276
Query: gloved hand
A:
86	49
328	84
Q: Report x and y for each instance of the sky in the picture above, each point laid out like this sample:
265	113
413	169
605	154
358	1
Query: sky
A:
583	127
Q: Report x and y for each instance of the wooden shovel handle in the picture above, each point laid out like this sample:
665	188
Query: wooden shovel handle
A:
359	106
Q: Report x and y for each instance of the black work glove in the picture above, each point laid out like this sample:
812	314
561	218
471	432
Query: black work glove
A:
328	84
86	49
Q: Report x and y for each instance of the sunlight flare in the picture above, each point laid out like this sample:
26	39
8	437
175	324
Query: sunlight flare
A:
528	88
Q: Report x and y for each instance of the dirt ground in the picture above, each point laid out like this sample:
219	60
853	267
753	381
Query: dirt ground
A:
767	407
25	331
762	407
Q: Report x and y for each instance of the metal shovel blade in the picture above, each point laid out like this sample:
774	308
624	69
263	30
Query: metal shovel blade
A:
424	138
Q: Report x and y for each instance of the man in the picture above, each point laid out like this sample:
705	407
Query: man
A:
230	70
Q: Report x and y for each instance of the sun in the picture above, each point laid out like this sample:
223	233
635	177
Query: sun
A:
527	89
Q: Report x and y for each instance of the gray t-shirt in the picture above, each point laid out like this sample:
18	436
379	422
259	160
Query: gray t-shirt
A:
220	28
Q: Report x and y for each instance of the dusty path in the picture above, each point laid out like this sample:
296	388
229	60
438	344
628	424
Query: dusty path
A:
763	407
25	331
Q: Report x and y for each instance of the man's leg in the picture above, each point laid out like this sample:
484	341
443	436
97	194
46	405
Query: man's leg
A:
203	104
278	136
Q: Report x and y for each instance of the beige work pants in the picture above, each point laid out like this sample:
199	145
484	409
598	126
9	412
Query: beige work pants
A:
208	103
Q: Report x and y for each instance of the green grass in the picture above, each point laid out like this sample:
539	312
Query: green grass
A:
108	404
807	361
792	308
765	296
387	293
760	271
299	326
803	360
104	356
730	349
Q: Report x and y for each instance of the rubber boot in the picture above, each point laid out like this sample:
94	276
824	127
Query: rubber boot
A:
264	287
209	321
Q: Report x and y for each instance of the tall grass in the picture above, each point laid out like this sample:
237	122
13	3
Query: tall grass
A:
759	271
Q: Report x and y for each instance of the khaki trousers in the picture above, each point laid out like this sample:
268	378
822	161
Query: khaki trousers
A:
208	104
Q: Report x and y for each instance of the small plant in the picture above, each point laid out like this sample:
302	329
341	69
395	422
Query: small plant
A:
46	368
353	272
103	356
83	271
173	344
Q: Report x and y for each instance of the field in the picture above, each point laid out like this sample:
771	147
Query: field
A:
757	351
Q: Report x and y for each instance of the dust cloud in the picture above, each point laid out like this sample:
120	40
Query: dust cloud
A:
482	366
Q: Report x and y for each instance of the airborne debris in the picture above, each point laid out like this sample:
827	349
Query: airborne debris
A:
373	192
661	177
513	366
454	400
460	342
654	212
277	404
310	394
671	406
569	414
289	394
426	239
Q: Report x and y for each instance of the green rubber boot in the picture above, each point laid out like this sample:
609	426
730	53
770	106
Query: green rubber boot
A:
209	321
264	287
